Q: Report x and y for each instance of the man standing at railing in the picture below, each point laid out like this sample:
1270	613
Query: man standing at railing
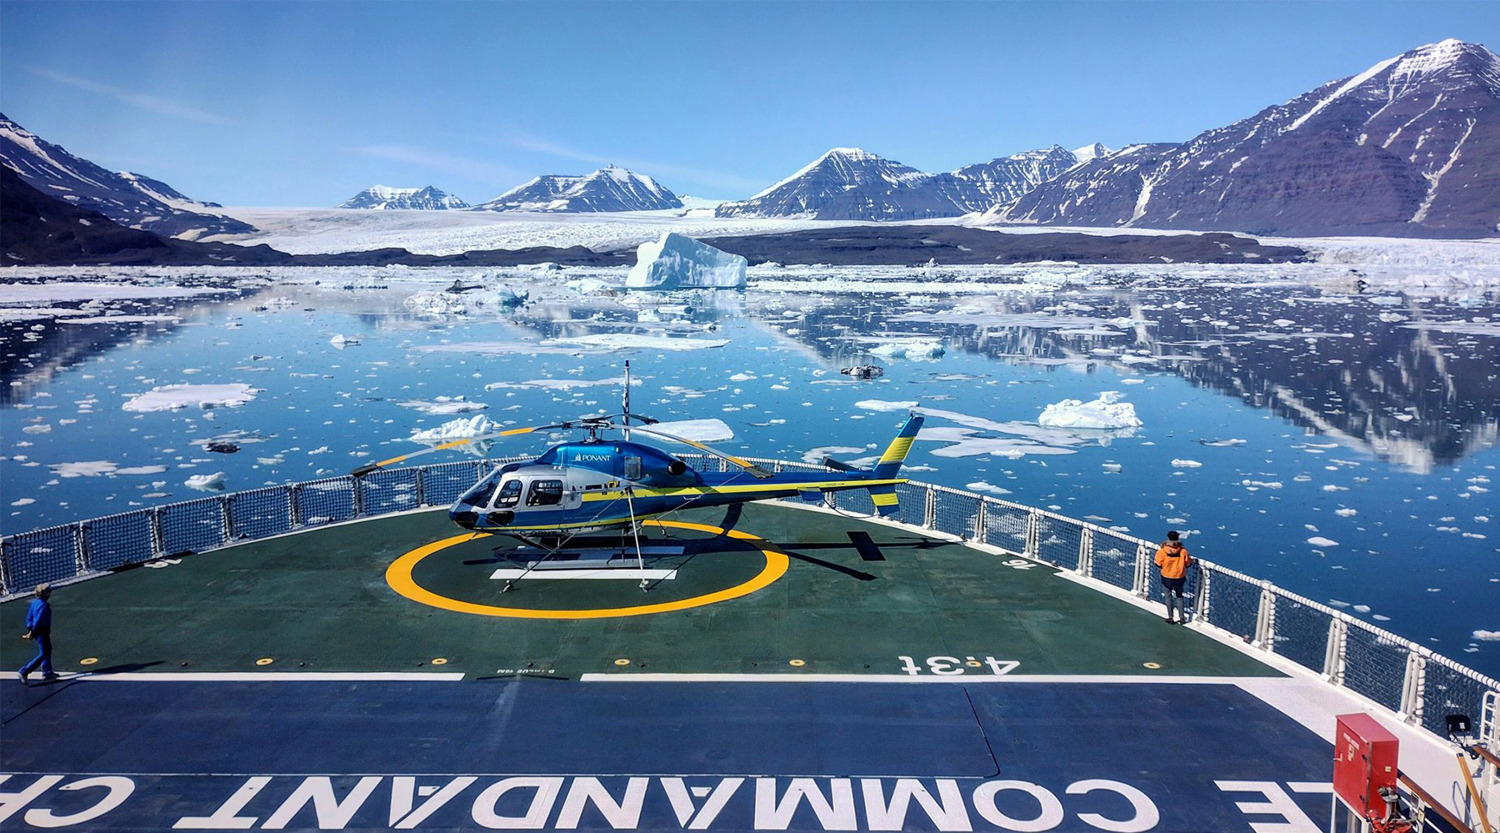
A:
1173	560
39	627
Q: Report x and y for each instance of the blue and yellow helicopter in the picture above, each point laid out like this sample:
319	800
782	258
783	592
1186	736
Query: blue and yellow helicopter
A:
597	483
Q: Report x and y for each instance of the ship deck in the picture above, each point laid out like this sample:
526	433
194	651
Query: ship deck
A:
781	669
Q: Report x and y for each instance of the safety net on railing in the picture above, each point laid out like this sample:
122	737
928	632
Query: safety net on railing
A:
1301	632
1114	559
1367	660
117	540
1006	525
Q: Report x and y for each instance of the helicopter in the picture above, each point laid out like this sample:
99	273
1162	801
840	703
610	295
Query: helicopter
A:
599	484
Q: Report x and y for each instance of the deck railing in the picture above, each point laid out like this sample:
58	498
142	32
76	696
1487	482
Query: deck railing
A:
1416	685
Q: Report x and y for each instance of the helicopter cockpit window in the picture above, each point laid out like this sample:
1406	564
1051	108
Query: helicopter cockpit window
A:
482	492
544	493
510	494
632	468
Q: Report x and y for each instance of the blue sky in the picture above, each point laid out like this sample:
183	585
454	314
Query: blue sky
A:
304	104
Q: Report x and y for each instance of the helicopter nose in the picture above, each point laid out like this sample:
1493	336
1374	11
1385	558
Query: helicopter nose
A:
464	518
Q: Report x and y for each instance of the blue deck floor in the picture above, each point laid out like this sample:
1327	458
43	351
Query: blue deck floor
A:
1010	756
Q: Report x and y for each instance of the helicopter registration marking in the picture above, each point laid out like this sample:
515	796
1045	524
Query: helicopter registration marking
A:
399	577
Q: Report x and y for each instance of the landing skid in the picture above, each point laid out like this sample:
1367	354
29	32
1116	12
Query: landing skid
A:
603	559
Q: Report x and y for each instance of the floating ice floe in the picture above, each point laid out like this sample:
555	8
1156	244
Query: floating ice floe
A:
122	319
816	455
206	482
1178	463
1487	636
341	341
675	261
443	405
559	384
636	341
1320	541
982	486
697	430
1106	412
916	350
174	397
88	468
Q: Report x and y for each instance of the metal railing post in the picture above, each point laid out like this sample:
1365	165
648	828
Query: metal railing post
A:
294	500
158	542
929	508
1086	552
4	569
1333	655
1205	595
226	522
358	485
982	521
1413	686
421	479
1033	534
1265	618
1140	584
80	548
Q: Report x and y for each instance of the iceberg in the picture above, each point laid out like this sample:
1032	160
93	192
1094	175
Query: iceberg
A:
675	261
1106	412
457	429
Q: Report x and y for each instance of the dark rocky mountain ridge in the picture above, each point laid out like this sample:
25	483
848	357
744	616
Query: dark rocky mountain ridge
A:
129	199
1410	146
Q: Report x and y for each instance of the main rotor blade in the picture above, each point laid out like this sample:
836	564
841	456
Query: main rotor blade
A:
744	464
509	432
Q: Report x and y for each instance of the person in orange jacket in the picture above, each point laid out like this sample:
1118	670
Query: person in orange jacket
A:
1173	560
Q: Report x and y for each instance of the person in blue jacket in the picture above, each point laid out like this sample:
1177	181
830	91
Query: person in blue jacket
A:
39	628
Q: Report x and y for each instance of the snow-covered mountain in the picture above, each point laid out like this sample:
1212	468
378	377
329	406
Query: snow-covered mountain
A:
607	189
1411	145
386	198
1003	181
853	184
129	199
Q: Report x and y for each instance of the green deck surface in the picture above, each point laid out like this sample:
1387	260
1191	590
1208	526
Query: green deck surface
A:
319	601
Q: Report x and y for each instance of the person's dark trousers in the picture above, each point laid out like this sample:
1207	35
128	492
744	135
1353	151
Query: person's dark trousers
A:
43	656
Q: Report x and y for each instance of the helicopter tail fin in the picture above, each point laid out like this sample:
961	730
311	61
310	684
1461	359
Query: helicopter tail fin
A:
884	497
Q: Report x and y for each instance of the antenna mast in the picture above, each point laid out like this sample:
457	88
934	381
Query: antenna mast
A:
627	399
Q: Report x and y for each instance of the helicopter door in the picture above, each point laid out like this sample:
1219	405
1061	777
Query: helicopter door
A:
632	467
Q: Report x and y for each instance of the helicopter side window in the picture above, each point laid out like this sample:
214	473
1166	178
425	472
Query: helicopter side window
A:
510	494
544	493
632	468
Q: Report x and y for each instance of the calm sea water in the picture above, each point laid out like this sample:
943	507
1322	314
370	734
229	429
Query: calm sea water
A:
1343	446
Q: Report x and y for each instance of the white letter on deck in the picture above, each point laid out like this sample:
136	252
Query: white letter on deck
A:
837	814
682	801
119	789
12	802
1293	820
227	816
536	814
1146	815
332	814
949	814
1051	809
625	814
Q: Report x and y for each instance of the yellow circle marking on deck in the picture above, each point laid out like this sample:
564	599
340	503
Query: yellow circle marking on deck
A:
796	663
88	660
440	661
1152	665
622	661
399	577
264	661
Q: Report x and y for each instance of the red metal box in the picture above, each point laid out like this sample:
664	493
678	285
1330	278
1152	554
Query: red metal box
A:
1364	760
